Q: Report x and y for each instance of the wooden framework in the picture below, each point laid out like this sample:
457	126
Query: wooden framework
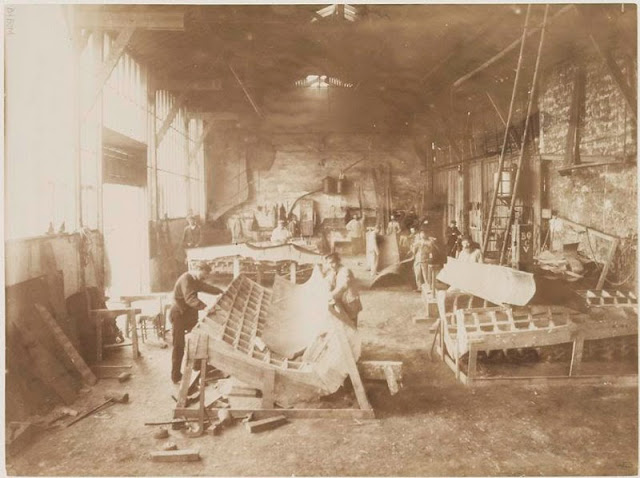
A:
197	351
468	331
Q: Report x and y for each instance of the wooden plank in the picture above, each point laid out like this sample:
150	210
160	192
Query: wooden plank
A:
352	368
175	455
116	52
95	19
69	349
392	380
268	389
287	412
572	148
45	364
616	380
180	84
576	355
607	264
265	424
376	369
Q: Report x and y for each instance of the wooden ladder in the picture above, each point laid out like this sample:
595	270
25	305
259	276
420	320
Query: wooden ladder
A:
511	196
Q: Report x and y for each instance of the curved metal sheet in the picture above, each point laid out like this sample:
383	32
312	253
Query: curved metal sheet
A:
497	284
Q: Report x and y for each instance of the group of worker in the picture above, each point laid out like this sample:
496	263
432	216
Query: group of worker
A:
427	254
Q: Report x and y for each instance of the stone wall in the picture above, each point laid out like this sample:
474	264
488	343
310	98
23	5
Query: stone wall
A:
603	197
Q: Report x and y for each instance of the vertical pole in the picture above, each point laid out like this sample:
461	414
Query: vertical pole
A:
524	135
292	272
494	198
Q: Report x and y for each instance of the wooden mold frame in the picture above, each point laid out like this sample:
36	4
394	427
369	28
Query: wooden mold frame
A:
231	331
483	329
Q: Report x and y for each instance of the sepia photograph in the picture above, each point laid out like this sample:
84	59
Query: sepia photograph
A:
279	239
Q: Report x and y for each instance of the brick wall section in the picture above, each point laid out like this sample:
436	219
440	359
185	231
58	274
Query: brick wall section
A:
603	198
303	160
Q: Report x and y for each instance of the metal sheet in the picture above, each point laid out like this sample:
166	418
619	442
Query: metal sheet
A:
497	284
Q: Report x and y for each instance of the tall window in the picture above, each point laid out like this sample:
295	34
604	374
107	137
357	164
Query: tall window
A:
172	159
40	136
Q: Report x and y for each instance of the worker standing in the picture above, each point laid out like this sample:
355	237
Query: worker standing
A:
393	226
372	245
280	234
421	249
342	287
192	235
355	231
470	251
184	311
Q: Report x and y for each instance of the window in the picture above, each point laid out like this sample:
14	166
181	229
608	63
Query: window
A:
41	141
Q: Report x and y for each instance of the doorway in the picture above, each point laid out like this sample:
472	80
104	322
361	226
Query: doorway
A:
126	239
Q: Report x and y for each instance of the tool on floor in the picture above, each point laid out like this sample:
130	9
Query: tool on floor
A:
122	377
110	400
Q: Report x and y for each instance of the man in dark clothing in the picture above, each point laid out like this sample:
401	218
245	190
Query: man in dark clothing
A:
184	311
453	233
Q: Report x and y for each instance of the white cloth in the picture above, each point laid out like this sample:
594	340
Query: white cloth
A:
280	235
470	256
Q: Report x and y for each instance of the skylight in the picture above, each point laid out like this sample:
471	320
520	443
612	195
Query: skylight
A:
345	11
322	81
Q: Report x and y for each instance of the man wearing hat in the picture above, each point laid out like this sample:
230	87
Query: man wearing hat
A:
184	311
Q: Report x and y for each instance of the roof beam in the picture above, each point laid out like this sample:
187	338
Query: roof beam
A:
213	116
181	85
106	20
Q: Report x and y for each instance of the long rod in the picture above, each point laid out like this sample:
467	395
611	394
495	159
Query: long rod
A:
255	107
494	198
500	115
507	50
524	135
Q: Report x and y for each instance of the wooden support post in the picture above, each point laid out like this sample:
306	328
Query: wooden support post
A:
98	322
131	318
576	355
236	267
572	149
259	274
473	359
293	271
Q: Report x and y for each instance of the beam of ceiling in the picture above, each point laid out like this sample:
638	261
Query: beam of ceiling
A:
108	20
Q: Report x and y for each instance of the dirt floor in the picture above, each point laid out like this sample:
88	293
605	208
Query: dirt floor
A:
433	427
